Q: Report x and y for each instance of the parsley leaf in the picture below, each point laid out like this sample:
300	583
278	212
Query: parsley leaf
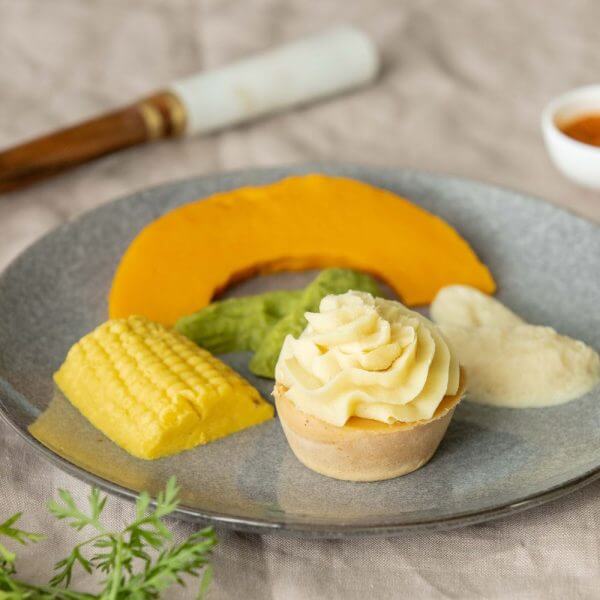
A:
139	562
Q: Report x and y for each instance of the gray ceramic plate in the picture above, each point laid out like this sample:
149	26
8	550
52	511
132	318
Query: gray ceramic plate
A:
492	461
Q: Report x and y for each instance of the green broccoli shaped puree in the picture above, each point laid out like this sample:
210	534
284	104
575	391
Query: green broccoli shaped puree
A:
237	323
261	323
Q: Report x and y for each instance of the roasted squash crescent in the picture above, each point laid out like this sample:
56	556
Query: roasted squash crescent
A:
178	263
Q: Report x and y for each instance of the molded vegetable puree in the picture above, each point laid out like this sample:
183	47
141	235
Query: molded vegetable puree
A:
370	358
261	323
508	361
180	261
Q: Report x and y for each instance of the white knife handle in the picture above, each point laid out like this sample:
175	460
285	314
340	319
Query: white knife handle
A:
337	60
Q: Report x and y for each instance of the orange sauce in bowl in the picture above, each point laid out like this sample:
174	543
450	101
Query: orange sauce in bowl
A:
585	128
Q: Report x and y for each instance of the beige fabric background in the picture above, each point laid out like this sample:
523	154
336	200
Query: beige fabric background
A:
462	91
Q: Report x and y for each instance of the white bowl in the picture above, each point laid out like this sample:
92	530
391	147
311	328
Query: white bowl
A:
578	161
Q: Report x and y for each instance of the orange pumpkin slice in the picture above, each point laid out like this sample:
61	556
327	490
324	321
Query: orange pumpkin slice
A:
178	263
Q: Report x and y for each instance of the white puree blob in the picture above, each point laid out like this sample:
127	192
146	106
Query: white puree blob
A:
509	362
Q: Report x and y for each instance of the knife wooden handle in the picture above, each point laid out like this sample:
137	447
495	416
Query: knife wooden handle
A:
158	116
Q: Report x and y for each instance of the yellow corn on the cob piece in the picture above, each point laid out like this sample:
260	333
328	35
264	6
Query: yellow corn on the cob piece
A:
154	392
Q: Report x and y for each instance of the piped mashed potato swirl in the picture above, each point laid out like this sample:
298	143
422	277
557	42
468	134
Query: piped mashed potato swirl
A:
367	357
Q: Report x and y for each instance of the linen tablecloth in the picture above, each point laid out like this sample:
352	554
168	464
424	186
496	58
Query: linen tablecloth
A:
462	89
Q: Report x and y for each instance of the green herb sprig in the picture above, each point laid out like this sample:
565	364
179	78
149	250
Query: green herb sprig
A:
138	563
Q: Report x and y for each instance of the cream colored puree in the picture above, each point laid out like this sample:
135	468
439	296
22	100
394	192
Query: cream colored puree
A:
508	361
367	357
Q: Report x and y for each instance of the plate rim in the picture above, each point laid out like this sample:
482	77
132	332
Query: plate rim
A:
273	525
316	531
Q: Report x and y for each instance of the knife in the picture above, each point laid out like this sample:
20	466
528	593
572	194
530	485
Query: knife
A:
332	62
